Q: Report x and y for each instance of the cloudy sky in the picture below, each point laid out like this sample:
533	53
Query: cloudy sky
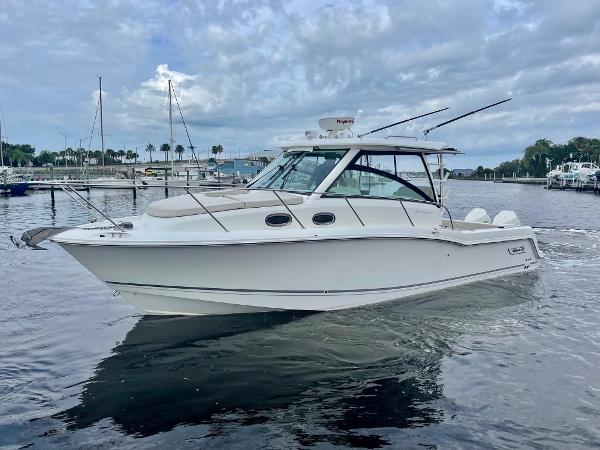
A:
251	73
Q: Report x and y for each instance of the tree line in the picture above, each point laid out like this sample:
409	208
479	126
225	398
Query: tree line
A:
537	159
542	156
16	155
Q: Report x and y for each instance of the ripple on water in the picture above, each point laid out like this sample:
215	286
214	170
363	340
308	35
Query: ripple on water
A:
511	362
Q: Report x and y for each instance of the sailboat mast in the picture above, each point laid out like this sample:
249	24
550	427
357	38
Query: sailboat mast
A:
171	140
1	150
101	123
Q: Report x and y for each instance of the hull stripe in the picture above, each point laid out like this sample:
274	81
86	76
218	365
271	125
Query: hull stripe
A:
333	291
144	244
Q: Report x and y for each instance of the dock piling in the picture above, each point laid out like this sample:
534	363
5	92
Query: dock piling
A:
52	185
134	190
166	184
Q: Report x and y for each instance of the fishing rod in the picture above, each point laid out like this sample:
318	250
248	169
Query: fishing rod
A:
426	132
402	121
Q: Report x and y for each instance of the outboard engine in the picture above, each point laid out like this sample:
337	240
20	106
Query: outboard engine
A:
598	175
504	218
478	215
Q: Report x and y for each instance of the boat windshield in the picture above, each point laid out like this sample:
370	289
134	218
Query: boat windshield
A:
298	171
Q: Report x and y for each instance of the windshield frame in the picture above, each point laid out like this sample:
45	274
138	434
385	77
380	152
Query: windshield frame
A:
268	168
353	166
275	174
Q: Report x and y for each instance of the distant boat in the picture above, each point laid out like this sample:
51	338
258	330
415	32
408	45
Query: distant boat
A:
11	183
579	171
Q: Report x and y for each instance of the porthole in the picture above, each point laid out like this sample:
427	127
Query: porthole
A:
278	220
323	218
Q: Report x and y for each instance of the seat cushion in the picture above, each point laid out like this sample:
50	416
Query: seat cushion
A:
259	199
185	205
224	192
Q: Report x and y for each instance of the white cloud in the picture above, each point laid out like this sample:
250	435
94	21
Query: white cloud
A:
249	73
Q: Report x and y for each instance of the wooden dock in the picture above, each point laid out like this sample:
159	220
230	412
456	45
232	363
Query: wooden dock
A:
576	185
552	183
86	185
523	180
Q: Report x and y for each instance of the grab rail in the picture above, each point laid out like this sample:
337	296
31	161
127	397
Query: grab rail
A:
441	205
275	192
288	208
79	203
205	209
333	194
353	210
90	204
406	212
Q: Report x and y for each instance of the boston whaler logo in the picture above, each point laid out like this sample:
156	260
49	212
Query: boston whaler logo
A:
516	250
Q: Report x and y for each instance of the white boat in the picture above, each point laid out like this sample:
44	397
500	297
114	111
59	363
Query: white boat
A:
586	171
556	173
334	222
573	172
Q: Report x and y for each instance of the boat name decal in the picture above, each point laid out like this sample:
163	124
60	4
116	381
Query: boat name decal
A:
516	250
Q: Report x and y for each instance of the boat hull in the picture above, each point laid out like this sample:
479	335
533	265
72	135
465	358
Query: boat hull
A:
14	188
300	275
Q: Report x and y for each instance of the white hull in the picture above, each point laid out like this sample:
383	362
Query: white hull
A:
302	275
344	228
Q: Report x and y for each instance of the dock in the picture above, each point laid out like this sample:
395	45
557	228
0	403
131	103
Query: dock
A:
576	185
556	184
86	185
523	180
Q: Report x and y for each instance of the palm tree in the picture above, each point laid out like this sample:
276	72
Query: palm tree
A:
129	155
80	152
69	155
150	148
215	150
166	148
121	153
136	156
110	154
179	150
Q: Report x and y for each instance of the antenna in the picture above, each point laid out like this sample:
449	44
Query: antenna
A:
402	121
101	124
171	140
426	132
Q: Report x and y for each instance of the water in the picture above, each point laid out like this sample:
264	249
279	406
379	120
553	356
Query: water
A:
508	363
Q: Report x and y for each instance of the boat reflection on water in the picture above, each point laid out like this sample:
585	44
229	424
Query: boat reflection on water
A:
333	377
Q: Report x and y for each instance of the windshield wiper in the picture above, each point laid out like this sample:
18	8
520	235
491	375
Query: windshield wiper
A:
292	163
290	170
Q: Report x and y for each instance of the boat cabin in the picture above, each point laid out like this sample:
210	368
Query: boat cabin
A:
326	179
393	168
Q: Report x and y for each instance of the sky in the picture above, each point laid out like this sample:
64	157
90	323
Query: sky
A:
250	74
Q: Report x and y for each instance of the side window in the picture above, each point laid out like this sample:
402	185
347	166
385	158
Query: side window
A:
386	175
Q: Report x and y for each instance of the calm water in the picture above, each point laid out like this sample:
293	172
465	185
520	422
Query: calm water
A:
508	363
